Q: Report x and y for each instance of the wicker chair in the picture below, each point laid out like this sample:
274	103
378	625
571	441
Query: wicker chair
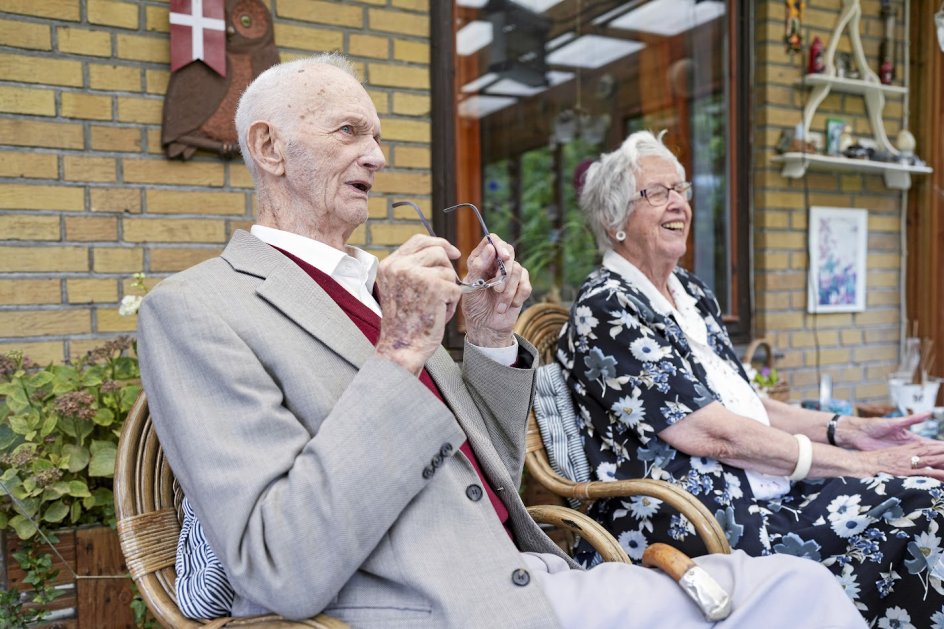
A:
147	505
540	324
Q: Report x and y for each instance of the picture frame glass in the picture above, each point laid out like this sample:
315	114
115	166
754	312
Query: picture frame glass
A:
838	242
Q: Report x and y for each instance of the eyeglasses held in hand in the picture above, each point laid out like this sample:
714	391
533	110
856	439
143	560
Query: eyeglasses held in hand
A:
657	194
479	284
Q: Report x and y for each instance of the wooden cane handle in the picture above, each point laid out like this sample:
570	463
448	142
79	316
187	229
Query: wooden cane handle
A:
669	560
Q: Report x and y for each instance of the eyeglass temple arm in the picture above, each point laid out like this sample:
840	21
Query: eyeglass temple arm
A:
419	212
478	215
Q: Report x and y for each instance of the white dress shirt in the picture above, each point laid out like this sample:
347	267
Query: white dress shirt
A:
355	271
737	395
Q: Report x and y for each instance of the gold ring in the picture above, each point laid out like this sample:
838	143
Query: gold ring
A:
914	462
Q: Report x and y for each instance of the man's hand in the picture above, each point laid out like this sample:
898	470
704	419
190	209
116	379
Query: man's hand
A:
490	314
418	287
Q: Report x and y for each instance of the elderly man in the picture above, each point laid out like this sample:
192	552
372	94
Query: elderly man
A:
336	456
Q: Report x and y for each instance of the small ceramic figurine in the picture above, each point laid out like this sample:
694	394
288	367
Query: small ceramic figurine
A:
816	63
905	143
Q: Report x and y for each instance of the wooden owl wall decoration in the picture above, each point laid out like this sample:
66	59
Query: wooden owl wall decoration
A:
217	49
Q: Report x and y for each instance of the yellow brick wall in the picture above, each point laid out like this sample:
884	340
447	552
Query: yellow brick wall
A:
86	196
857	349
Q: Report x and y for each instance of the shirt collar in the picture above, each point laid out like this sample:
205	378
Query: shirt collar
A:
355	263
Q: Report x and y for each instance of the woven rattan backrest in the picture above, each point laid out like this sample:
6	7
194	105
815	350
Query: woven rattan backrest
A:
540	325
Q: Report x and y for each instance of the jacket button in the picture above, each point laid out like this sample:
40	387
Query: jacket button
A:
446	449
473	492
428	472
520	577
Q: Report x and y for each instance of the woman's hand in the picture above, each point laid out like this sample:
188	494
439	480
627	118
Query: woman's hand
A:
898	460
873	433
490	314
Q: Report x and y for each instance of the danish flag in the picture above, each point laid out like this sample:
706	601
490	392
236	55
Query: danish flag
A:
198	31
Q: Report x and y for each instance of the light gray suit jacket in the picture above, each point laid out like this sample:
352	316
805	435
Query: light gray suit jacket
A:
303	453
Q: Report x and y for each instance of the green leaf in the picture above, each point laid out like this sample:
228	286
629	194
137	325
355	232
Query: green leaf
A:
21	424
47	426
40	378
4	520
91	378
67	426
78	489
76	456
88	503
56	512
75	512
7	437
83	429
56	490
23	527
104	417
103	459
17	400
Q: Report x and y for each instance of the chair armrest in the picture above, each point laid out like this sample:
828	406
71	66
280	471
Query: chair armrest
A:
582	525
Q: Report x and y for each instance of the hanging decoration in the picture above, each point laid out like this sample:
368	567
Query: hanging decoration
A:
794	20
197	33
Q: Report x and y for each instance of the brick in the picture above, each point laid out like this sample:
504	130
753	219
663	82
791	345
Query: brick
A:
155	81
368	46
156	19
333	13
358	237
767	219
877	317
393	234
397	129
88	291
127	139
386	75
21	292
377	207
883	261
875	354
56	9
109	320
43	353
36	69
173	260
851	337
20	323
120	14
180	202
177	173
829	357
86	106
781	240
238	175
45	259
307	38
41	134
29	227
79	168
403	183
140	110
881	336
407	104
143	48
26	100
91	228
80	41
232	226
412	5
780	321
126	200
397	22
173	230
126	260
19	34
153	140
107	76
411	51
41	197
380	100
28	165
412	157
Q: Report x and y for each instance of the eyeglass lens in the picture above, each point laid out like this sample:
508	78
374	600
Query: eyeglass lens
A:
658	194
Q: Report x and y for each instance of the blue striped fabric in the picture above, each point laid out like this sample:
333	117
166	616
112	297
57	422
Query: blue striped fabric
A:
203	589
557	422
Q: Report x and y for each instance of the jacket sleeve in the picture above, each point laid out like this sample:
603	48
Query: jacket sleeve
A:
291	514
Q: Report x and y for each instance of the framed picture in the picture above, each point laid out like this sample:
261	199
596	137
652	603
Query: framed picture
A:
838	244
834	127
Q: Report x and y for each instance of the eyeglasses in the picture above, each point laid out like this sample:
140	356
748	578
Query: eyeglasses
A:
657	194
479	284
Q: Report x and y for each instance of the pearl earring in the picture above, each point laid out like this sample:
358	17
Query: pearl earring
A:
620	236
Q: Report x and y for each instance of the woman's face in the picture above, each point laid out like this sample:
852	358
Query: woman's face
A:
656	236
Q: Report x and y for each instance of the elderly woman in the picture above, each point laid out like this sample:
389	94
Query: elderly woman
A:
663	395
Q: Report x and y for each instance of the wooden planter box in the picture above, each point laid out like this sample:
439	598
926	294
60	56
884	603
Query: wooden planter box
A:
85	603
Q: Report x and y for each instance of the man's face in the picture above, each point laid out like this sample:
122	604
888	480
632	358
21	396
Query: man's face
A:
332	153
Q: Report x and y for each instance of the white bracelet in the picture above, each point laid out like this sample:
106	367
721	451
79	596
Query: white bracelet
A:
804	458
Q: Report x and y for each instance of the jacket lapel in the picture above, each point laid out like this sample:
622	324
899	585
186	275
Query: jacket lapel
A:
289	289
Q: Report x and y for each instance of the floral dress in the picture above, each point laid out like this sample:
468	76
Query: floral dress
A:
632	375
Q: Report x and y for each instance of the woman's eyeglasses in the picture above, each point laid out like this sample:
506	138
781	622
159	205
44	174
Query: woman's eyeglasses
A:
657	194
479	284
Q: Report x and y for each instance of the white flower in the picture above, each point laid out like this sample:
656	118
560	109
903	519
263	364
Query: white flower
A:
634	543
733	484
628	410
129	305
643	507
584	320
842	507
920	482
851	524
896	618
704	465
937	619
645	349
848	582
606	471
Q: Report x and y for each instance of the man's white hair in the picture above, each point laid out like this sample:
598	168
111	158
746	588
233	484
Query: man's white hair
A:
265	99
610	183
